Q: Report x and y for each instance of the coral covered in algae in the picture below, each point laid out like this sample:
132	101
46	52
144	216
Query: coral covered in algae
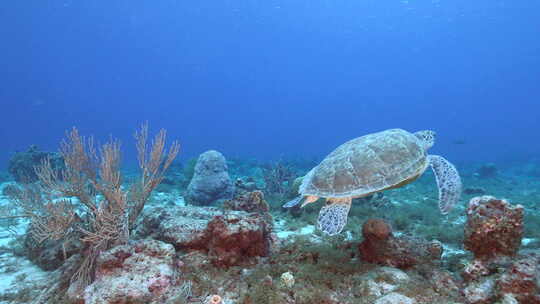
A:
21	165
396	248
494	227
141	272
493	233
381	247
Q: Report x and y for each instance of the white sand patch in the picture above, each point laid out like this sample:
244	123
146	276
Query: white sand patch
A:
283	233
527	241
14	270
163	197
449	251
179	201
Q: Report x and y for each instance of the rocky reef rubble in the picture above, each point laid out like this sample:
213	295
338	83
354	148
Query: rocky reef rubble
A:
230	254
21	165
243	229
141	272
493	233
494	228
380	246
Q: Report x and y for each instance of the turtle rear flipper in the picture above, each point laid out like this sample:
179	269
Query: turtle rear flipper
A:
295	201
333	217
448	181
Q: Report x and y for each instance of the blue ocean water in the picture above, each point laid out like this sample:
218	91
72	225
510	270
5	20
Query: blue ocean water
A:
268	79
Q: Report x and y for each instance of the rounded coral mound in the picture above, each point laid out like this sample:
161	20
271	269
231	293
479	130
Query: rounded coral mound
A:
376	229
381	247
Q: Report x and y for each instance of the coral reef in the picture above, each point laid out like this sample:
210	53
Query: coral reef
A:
510	282
494	228
376	230
247	250
249	202
211	181
493	233
520	281
21	165
381	247
183	227
229	237
141	272
85	206
233	237
51	254
480	291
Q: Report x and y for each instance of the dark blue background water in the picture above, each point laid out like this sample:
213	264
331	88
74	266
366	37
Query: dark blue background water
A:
273	78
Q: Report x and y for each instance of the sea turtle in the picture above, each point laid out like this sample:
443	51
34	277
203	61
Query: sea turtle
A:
373	163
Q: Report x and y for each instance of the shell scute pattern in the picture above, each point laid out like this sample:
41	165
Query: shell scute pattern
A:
367	164
373	163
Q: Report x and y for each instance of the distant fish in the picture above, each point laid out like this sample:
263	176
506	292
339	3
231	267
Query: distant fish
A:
459	142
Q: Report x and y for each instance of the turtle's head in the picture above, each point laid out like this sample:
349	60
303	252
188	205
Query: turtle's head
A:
427	138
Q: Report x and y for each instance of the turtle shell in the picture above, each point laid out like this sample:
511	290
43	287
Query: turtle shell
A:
367	164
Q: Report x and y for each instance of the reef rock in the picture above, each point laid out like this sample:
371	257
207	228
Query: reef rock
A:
376	230
138	273
480	292
234	236
444	283
520	281
249	202
380	281
493	233
22	164
502	280
211	181
494	228
395	298
229	237
50	254
476	269
183	227
381	247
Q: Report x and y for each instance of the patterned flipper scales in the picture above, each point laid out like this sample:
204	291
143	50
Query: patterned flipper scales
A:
333	217
448	181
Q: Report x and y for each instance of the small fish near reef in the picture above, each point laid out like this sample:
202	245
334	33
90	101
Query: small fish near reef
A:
372	163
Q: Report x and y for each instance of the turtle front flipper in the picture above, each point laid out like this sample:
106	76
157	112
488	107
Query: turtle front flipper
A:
448	181
333	216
